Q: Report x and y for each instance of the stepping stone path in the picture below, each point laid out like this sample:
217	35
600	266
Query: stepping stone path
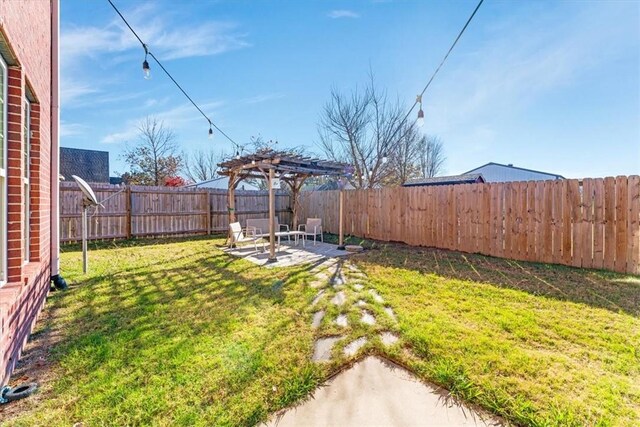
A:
367	318
353	347
376	296
332	276
390	312
388	338
339	298
317	319
317	298
341	320
322	349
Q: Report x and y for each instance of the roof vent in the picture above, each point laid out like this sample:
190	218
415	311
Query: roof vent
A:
510	165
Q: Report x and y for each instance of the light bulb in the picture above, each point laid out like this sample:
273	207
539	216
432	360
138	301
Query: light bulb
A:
253	162
384	159
210	133
238	155
146	70
420	121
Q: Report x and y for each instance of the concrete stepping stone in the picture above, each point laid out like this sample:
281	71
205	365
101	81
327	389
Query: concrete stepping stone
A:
322	276
322	349
338	281
339	298
361	303
390	312
388	338
367	318
317	298
358	287
341	320
353	347
376	296
318	284
317	319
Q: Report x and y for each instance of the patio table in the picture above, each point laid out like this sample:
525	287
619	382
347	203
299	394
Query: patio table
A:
296	236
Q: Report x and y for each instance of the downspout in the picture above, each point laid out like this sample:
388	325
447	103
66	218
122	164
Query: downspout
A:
58	281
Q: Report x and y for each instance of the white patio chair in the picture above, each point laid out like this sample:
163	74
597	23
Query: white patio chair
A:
313	227
243	236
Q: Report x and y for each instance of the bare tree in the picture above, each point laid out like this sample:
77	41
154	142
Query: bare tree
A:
366	129
404	159
202	165
154	158
431	156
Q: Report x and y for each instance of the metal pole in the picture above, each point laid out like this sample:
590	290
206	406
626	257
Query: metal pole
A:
272	214
340	222
85	261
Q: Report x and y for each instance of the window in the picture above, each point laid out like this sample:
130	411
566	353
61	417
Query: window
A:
3	172
26	156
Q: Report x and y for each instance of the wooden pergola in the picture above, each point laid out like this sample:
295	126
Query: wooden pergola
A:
290	168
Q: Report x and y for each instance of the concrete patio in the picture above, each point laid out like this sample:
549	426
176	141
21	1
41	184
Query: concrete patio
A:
375	392
288	254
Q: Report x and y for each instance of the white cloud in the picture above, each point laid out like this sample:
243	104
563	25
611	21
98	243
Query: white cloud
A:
72	90
166	39
342	13
70	129
183	116
118	137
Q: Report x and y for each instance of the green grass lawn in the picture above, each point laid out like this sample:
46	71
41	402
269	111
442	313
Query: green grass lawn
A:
178	333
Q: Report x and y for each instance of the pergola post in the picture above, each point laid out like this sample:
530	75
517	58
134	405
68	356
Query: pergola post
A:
272	215
232	199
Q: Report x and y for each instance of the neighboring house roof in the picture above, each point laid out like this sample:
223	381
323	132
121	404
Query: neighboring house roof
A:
469	178
497	172
90	165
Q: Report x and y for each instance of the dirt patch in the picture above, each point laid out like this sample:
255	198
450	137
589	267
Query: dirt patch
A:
35	365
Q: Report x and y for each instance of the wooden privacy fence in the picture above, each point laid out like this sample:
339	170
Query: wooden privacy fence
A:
138	211
593	223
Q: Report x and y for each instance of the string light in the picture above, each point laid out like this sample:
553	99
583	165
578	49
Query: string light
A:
384	158
147	75
145	65
419	98
237	155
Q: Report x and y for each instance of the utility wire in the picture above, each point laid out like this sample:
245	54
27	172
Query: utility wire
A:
435	72
147	51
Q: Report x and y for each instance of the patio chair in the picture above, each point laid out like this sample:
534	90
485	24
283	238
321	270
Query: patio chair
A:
243	236
312	227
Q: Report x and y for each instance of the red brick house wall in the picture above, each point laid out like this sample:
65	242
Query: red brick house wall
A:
26	46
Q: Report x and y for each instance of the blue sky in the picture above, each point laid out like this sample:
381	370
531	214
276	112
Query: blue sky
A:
546	85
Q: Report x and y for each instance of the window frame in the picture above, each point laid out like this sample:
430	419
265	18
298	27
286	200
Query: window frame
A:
3	174
26	179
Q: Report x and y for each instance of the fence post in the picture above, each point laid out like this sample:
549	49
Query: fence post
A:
208	212
128	207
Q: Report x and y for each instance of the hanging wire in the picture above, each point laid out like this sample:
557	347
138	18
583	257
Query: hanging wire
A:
419	97
147	51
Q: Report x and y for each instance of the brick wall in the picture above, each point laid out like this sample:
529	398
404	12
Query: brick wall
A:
25	28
